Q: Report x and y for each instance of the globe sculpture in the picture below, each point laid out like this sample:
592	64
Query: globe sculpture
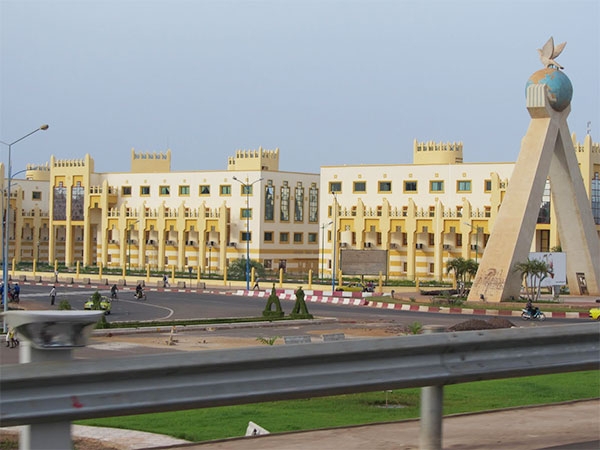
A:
560	89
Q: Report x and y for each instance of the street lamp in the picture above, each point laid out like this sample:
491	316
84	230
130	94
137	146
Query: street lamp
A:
6	221
129	246
247	187
323	226
476	238
335	207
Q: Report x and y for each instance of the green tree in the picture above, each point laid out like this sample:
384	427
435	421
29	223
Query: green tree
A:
533	272
237	269
464	270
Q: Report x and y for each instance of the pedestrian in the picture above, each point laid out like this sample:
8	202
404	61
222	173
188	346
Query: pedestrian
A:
56	276
256	286
16	292
166	280
13	338
8	338
52	295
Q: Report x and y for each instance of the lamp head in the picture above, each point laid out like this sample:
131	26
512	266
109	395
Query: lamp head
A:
44	127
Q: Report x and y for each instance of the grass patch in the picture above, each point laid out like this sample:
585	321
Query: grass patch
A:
345	410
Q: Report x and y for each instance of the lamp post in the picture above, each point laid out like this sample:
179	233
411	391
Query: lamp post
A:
129	246
6	221
210	247
477	229
323	226
247	187
335	207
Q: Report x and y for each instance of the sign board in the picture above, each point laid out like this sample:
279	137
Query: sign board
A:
363	262
557	267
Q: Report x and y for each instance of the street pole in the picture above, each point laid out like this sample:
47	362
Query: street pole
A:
333	274
247	187
5	261
323	226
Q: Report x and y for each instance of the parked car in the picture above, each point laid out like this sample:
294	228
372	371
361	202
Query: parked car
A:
105	304
352	287
595	313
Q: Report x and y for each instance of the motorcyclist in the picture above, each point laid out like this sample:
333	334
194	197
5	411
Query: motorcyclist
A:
530	309
138	291
113	291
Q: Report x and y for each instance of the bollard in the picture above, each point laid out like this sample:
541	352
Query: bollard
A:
432	402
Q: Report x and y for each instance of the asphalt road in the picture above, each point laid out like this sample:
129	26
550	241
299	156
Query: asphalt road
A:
175	305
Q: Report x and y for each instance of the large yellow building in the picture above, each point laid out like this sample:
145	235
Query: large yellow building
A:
420	214
151	216
433	210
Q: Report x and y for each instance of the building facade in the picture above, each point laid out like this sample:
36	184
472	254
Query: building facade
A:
426	213
151	216
420	214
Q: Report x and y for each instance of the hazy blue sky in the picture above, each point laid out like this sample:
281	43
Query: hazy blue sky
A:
327	82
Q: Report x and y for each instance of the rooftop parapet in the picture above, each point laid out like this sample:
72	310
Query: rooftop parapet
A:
260	159
437	152
150	162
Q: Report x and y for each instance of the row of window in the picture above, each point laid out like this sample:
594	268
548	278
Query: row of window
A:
409	186
284	237
184	190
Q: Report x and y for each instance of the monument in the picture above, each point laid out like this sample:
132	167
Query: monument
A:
547	152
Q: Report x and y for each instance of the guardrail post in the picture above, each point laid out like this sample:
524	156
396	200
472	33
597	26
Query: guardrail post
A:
50	435
432	401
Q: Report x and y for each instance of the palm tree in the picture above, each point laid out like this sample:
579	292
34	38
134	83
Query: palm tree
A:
533	272
464	270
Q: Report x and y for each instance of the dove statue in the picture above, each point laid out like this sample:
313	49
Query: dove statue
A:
549	52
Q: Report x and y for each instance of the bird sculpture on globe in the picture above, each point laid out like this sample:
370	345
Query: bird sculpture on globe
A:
560	89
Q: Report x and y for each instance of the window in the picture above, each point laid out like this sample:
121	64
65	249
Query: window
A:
184	190
284	213
431	238
36	195
385	186
312	237
335	186
298	238
246	189
268	236
268	264
360	186
299	204
436	186
284	237
245	236
487	185
164	190
313	204
204	189
463	186
410	186
269	201
144	190
246	213
126	190
458	240
225	189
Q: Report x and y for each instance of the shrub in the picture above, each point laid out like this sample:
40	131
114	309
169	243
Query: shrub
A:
64	305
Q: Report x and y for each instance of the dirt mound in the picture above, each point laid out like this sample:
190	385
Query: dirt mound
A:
479	324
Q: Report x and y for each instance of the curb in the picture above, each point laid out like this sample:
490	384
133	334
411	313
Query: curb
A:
313	296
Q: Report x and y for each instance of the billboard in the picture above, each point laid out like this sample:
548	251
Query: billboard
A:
363	262
557	265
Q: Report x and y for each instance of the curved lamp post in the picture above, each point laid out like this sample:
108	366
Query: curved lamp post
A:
247	187
335	211
323	226
6	222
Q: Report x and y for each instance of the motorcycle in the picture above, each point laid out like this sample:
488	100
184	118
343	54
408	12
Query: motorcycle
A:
535	314
139	295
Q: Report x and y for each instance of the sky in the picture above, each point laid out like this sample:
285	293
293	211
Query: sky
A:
327	82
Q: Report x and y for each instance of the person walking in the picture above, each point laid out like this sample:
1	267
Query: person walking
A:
52	295
256	286
166	281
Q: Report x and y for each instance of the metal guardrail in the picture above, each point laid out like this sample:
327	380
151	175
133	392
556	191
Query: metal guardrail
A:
47	392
